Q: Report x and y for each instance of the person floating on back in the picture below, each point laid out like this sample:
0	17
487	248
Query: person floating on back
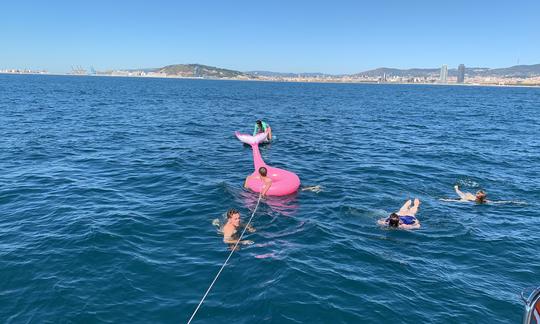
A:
231	228
479	198
262	127
264	178
405	218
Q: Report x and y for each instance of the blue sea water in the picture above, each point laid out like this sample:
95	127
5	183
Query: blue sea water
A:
109	187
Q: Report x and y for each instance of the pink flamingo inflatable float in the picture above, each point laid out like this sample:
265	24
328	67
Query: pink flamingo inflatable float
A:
283	182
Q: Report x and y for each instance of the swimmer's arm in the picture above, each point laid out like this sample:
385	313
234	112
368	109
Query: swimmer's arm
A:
245	181
269	133
267	186
233	241
461	195
229	240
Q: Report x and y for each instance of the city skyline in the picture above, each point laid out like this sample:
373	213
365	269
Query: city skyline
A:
461	73
444	74
532	70
341	38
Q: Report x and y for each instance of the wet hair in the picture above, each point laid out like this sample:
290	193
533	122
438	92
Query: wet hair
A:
263	171
482	197
260	125
393	220
231	212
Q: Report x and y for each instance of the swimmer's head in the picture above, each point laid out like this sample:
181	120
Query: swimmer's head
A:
259	123
231	212
393	221
481	196
263	171
233	216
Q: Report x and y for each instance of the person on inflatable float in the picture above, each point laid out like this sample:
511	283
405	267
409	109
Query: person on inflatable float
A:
264	178
261	127
405	218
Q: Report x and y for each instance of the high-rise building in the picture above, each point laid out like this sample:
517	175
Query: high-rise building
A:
444	74
461	73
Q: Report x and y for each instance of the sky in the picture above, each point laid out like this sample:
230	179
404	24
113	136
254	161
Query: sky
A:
337	37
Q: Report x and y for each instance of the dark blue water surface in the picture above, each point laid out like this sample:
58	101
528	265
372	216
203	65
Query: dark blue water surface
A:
109	187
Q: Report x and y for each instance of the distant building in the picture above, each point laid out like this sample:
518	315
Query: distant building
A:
444	74
461	73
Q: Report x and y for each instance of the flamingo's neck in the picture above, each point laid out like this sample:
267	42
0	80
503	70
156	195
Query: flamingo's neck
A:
257	159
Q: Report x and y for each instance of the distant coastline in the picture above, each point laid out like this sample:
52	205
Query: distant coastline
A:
300	78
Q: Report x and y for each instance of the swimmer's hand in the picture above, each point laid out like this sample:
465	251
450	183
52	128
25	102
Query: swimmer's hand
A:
251	229
246	242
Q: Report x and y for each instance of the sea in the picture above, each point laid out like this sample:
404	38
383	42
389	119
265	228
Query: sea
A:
109	188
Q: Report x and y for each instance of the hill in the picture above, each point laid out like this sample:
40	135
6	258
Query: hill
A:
523	71
398	72
513	71
211	72
199	71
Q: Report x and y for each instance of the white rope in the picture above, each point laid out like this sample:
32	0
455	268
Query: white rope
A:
225	263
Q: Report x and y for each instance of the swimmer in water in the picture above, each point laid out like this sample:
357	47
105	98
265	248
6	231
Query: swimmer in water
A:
479	198
264	178
405	218
231	228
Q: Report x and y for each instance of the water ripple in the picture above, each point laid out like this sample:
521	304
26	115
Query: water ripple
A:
110	185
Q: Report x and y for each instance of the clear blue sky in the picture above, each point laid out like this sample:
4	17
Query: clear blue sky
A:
285	36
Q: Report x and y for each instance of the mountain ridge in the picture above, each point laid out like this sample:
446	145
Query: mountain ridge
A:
207	71
199	71
513	71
